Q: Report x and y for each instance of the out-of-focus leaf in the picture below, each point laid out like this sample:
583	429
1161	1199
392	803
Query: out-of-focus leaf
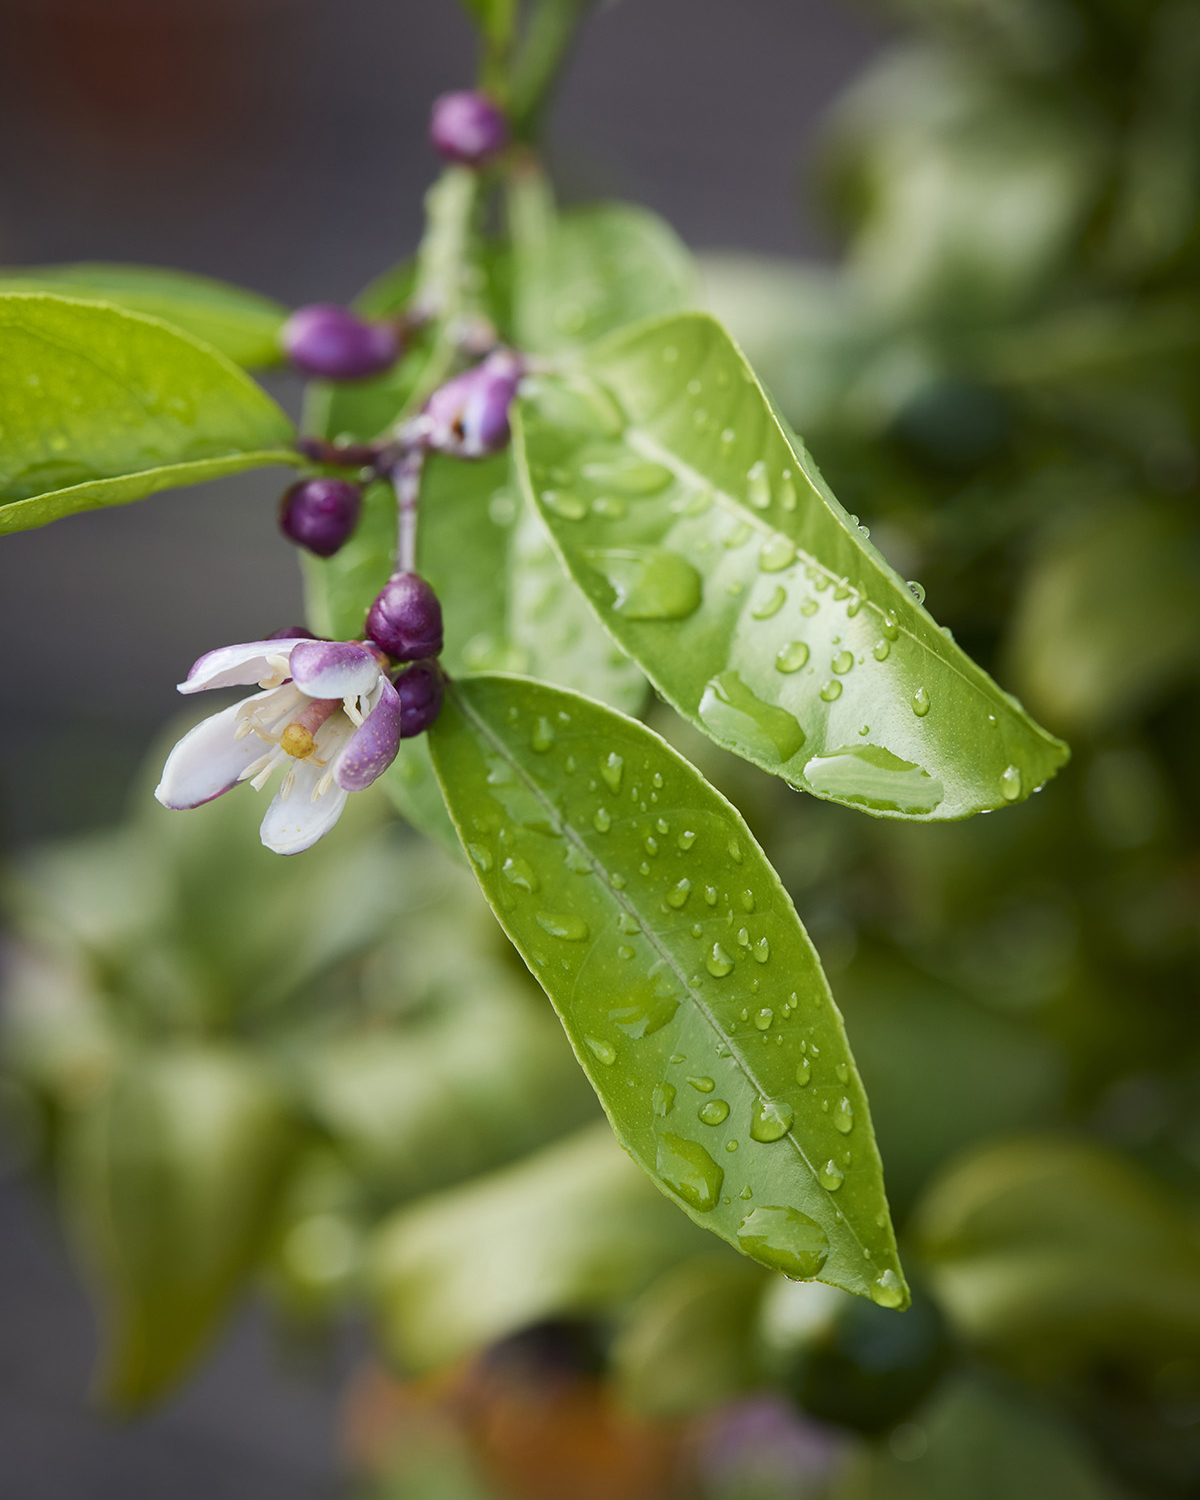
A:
243	325
979	1439
102	407
575	1229
711	549
171	1179
690	991
1051	1252
1110	617
687	1344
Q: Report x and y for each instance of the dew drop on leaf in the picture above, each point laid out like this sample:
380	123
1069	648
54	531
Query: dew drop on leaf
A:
786	1240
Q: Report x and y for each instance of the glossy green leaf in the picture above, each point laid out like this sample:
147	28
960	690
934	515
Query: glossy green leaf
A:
1052	1253
710	547
171	1180
690	991
243	325
102	407
574	1229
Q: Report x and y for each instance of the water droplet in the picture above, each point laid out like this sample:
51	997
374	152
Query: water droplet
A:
1010	783
710	895
918	591
650	844
887	1290
743	936
565	925
809	607
563	503
715	1112
920	702
662	1099
842	662
702	1083
648	583
761	951
604	1052
771	605
803	1072
612	769
732	1146
678	894
648	1005
792	657
520	872
625	951
732	712
873	777
686	839
602	820
627	475
735	851
786	1240
787	491
609	507
771	1119
777	554
688	1170
481	856
891	625
842	1070
763	1018
718	963
881	650
543	736
759	486
831	691
831	1176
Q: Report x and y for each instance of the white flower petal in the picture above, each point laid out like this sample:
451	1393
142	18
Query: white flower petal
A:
295	823
207	761
334	669
237	666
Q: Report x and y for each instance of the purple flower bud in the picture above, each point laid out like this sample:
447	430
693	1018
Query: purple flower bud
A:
320	513
467	127
292	633
420	692
468	416
406	619
330	342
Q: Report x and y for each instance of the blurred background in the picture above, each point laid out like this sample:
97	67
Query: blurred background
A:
960	240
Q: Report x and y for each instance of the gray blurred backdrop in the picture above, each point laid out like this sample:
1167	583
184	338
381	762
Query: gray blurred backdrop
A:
280	144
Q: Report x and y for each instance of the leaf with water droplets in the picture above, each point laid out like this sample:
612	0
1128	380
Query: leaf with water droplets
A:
704	1023
100	407
749	597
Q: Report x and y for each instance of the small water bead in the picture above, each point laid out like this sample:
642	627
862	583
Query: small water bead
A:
610	507
481	857
761	951
842	590
842	662
604	1052
747	900
792	657
702	1084
565	925
710	895
678	894
732	1146
740	534
771	605
543	736
771	1119
520	872
602	820
891	625
831	1176
617	881
718	962
686	839
777	554
735	851
831	691
809	607
612	768
650	844
563	503
918	591
920	702
843	1072
856	604
715	1112
1010	783
881	650
843	1116
763	1018
743	937
759	486
644	867
787	491
887	1290
803	1072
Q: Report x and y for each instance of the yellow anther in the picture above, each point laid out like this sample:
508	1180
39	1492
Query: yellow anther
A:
296	741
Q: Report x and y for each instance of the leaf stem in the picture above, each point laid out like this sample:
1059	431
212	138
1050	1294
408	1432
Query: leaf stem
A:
406	481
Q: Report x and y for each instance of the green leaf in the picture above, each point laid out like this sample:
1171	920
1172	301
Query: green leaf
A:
574	1229
1054	1253
689	990
172	1177
495	18
244	326
102	407
709	546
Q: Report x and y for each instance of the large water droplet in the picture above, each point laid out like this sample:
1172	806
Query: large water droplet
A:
702	1083
881	650
891	625
686	839
520	872
1010	783
564	925
831	1176
648	583
831	691
842	662
803	1071
688	1170
777	554
786	1240
771	605
733	712
718	962
758	486
920	702
763	1018
602	820
917	590
604	1052
715	1112
771	1119
888	1290
679	892
843	1116
563	503
543	736
873	777
612	768
662	1099
648	1005
792	656
481	857
761	951
627	475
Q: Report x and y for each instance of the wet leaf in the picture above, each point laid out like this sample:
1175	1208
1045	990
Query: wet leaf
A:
711	549
690	991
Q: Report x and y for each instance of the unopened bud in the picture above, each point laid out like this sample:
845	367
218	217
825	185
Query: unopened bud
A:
467	127
329	342
420	691
468	416
320	514
406	619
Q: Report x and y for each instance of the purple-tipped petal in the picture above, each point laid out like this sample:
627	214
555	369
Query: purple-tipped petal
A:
468	416
333	669
373	745
295	822
237	666
207	761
